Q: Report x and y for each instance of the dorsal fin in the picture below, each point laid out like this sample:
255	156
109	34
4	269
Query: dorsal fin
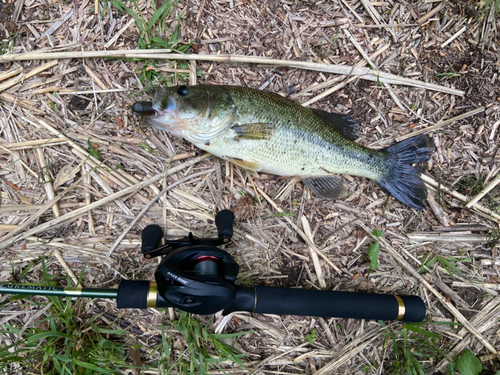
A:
343	124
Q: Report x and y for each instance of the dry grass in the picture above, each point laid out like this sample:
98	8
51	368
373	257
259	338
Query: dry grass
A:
432	67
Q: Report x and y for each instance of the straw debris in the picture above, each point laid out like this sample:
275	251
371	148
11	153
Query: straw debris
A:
81	176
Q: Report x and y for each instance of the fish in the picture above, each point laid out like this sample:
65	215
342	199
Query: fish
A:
261	131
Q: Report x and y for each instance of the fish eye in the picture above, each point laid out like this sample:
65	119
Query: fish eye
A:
183	90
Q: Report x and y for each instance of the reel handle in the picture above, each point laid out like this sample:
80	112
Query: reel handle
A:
322	303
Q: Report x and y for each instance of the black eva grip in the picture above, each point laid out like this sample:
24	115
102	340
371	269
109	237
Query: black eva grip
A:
133	294
289	301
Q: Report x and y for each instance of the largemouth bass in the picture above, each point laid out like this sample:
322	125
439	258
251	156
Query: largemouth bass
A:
264	132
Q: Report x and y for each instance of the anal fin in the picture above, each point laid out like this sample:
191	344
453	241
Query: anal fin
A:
330	187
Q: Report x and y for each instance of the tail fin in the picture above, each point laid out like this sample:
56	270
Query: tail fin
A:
402	180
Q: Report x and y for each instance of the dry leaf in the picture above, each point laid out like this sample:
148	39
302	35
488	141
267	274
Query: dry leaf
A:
243	209
65	174
135	356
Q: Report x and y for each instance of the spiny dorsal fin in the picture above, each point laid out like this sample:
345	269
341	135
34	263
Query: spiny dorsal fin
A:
343	124
258	130
330	187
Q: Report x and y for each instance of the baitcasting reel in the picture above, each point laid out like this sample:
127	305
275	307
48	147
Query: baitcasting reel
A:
194	275
197	277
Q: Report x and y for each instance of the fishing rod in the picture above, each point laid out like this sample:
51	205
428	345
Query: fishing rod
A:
196	276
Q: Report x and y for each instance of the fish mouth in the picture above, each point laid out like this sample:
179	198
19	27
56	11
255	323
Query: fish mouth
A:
166	117
160	116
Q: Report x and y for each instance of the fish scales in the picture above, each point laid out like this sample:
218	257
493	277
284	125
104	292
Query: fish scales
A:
301	145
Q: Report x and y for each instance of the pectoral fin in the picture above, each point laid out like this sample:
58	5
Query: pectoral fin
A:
330	187
249	166
258	130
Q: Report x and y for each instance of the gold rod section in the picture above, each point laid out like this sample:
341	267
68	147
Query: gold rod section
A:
73	291
401	308
152	293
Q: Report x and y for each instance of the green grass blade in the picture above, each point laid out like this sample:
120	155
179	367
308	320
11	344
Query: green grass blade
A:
416	329
44	335
222	336
162	11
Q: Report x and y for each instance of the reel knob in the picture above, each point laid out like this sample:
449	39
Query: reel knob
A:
224	221
151	238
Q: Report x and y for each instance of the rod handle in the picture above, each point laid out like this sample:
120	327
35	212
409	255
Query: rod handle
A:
322	303
138	294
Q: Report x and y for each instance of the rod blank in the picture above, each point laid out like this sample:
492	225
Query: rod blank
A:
41	290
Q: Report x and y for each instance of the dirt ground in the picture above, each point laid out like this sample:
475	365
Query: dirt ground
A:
60	112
